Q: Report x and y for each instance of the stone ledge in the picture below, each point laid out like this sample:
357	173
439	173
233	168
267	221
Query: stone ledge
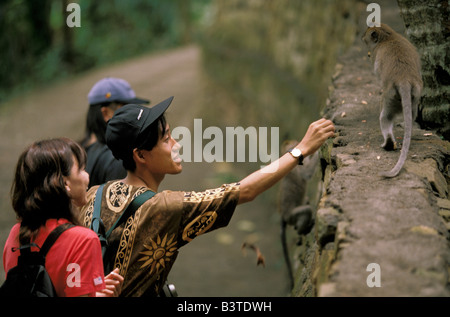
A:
402	224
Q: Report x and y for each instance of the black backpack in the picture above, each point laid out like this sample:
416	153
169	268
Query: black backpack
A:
30	278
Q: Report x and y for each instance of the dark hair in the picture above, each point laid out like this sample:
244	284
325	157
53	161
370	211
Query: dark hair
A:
38	192
95	123
146	141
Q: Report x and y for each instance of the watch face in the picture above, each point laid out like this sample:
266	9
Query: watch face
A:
296	152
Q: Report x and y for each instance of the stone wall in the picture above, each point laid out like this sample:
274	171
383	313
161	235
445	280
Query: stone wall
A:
397	229
428	26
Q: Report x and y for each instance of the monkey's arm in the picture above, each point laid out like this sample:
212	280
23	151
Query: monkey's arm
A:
261	180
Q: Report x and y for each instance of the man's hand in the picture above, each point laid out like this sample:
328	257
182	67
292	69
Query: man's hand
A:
318	132
259	181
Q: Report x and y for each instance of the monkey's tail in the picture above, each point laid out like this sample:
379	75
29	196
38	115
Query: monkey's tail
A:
405	94
286	253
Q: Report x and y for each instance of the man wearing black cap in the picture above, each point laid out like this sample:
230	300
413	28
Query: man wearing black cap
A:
105	97
147	244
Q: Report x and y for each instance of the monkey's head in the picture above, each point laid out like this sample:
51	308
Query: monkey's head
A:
376	34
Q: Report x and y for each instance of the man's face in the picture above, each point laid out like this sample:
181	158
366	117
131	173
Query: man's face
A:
163	158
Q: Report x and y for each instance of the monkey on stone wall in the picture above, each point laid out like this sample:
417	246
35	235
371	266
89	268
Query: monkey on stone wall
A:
397	64
293	204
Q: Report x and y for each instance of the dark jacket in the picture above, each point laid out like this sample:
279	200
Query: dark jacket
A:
102	166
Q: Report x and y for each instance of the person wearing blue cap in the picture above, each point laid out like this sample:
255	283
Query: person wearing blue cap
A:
105	97
145	246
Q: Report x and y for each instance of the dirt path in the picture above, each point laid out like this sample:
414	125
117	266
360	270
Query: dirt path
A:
212	265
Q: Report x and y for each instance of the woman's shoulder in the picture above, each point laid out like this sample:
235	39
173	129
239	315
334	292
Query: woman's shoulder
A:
15	229
82	235
83	231
77	231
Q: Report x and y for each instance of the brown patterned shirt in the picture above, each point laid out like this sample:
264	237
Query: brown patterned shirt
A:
147	243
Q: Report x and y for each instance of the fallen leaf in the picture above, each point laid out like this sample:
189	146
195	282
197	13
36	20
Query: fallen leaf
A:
259	257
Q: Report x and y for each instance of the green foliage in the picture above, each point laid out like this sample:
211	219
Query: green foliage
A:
38	46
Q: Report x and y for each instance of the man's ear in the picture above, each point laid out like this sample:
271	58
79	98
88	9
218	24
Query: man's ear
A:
138	156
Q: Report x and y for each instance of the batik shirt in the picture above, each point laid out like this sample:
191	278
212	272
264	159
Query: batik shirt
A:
147	243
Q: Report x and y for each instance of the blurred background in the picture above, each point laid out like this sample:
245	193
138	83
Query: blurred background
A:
39	46
229	62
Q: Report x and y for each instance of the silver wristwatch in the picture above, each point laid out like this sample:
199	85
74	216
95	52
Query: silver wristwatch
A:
296	153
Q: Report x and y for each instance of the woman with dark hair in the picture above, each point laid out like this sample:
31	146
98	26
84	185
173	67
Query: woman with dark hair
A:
49	186
105	97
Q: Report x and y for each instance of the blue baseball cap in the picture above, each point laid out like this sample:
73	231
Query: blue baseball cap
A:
112	89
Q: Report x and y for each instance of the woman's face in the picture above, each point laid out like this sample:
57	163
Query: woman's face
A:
77	184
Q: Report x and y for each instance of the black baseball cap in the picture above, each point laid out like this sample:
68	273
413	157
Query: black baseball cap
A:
128	122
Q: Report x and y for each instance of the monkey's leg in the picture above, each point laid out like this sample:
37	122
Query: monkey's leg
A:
387	126
287	259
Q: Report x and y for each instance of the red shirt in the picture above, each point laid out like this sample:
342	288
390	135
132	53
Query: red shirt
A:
74	262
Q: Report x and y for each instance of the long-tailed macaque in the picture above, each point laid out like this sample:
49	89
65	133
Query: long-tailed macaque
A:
397	64
293	205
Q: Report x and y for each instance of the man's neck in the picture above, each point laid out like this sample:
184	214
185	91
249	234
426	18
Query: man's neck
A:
148	181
